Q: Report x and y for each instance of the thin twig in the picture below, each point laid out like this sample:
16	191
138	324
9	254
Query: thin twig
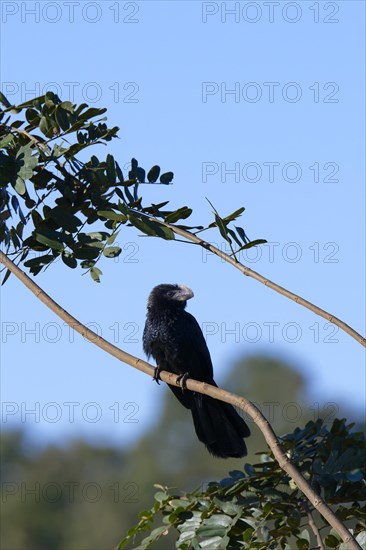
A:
201	387
313	525
267	282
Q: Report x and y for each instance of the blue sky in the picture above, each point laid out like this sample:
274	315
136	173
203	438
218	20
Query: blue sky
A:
255	104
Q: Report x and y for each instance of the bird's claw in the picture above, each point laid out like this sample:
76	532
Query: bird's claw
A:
156	376
182	380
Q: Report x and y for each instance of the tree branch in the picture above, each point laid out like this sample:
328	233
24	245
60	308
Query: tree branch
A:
201	387
267	282
38	142
313	525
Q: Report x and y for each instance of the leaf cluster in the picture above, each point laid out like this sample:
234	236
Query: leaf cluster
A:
55	205
260	507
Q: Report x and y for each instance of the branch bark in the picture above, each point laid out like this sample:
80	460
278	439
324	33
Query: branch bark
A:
267	282
217	393
313	526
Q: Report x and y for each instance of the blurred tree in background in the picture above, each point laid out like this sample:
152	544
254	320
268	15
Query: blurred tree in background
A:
85	497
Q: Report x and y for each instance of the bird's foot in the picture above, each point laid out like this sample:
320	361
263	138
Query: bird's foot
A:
182	380
156	376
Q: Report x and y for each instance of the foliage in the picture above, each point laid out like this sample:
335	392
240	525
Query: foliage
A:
46	502
46	189
260	506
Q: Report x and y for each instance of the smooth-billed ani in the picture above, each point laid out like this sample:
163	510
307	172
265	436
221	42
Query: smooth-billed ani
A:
174	339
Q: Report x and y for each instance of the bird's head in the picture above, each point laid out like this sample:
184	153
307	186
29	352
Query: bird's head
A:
169	295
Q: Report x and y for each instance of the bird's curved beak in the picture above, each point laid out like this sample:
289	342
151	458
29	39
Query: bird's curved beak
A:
184	293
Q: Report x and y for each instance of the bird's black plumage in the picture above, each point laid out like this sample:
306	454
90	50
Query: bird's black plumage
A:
174	339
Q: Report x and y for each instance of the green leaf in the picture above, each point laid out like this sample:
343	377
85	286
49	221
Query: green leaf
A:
132	174
361	539
252	243
180	214
161	496
247	535
152	538
222	228
69	259
302	544
20	186
51	97
65	219
179	503
112	238
331	541
153	174
111	170
33	117
166	178
237	474
87	264
92	236
6	140
86	253
95	274
26	161
91	113
355	475
39	261
233	235
110	215
55	245
6	277
119	173
229	508
215	525
14	238
151	228
68	106
62	118
215	543
75	149
242	234
234	215
249	469
4	101
43	125
112	251
140	174
305	535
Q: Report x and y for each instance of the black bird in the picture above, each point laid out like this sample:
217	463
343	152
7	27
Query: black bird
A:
174	339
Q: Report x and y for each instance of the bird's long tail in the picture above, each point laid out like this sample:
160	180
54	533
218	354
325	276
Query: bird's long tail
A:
219	427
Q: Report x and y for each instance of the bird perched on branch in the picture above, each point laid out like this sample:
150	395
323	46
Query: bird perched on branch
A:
174	339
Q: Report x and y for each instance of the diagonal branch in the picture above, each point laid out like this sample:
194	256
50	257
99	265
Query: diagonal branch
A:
201	387
267	282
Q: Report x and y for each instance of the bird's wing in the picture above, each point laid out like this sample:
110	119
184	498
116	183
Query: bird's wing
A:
193	352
